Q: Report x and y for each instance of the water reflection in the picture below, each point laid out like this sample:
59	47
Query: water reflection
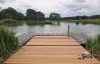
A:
57	27
77	23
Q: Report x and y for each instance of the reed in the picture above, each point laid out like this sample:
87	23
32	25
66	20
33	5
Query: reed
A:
8	42
93	45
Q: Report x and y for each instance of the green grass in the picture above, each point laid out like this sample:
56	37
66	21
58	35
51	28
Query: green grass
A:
10	22
93	45
31	22
8	43
91	21
36	22
1	23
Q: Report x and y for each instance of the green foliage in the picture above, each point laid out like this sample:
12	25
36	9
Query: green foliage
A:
1	23
1	62
82	17
10	22
19	16
33	15
86	21
54	16
8	42
89	43
31	22
93	44
11	13
40	16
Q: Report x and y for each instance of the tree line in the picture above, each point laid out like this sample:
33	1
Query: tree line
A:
11	13
82	17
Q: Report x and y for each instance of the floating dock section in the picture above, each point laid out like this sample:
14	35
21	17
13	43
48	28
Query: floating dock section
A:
50	50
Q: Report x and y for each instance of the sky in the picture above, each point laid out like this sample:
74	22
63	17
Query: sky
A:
64	7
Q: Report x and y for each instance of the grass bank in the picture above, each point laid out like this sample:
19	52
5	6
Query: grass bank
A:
10	22
91	21
36	22
93	46
8	43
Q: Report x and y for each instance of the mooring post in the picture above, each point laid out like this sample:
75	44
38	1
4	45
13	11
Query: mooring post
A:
68	33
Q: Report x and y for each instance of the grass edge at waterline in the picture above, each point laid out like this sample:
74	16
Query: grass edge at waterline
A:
93	46
8	43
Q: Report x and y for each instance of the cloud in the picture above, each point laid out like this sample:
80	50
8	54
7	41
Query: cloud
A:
2	1
64	7
6	1
80	0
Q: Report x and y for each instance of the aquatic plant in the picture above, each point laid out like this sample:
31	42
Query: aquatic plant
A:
93	45
31	22
8	42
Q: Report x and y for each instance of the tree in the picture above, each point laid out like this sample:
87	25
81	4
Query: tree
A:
0	16
31	14
20	16
40	16
11	13
8	13
77	17
54	16
85	17
95	17
0	8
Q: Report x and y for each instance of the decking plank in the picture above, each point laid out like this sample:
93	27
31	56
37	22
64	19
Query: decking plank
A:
33	53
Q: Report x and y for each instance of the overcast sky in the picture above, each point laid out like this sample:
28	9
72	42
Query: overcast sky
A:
64	7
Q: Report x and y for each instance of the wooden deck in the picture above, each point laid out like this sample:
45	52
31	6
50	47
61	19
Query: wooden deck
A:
50	50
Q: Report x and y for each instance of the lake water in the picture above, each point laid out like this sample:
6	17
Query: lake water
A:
57	28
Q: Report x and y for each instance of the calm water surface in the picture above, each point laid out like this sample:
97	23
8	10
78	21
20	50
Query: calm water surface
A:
88	29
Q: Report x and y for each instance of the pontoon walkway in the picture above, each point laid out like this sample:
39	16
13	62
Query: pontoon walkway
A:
50	50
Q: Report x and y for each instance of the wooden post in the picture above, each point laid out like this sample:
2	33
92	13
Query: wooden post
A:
91	53
68	30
